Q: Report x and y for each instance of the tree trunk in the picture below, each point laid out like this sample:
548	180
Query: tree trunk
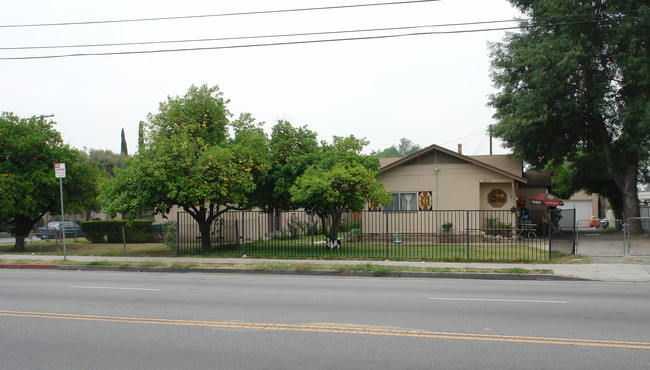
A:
204	229
631	200
19	246
22	228
334	229
204	218
323	223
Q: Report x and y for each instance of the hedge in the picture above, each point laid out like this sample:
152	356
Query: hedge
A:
137	231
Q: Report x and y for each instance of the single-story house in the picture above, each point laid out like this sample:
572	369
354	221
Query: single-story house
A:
438	179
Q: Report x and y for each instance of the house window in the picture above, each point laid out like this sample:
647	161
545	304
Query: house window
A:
403	202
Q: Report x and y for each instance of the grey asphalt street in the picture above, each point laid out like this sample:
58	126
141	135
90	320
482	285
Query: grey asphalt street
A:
86	319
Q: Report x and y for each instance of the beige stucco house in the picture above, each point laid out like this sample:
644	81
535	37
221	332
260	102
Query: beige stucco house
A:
436	178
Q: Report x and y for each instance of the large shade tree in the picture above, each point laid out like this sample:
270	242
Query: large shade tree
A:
190	160
28	188
343	179
573	93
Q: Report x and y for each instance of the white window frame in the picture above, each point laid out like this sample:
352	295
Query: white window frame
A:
402	202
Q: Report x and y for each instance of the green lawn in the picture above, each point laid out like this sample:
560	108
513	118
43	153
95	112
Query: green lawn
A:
82	247
302	248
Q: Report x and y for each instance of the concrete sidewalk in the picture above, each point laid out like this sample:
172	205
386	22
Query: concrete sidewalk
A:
610	270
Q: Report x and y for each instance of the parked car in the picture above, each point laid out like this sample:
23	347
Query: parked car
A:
52	230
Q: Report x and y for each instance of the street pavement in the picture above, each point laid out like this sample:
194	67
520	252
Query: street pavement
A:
628	268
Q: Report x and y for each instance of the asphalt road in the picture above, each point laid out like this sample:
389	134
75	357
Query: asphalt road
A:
102	320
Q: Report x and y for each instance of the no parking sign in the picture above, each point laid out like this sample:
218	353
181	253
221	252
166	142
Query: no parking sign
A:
59	170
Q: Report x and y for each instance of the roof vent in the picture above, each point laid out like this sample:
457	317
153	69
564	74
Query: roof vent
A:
460	148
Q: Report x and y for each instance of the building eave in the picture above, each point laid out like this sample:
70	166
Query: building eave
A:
452	153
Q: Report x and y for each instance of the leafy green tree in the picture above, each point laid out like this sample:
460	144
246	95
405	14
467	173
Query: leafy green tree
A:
190	161
404	148
584	175
106	160
292	150
342	179
82	193
573	89
390	152
28	188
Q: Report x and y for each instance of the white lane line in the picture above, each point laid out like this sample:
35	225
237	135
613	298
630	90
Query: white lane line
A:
497	300
113	288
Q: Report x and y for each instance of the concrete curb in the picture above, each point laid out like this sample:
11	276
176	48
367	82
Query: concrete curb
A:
23	266
614	271
348	273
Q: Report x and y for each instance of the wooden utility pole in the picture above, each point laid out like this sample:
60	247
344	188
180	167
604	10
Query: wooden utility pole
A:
490	131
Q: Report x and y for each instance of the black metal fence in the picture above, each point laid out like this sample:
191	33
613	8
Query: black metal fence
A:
397	235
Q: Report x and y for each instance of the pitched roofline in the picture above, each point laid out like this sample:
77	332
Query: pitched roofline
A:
453	154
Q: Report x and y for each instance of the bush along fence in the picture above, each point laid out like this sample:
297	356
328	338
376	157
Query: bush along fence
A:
119	231
397	235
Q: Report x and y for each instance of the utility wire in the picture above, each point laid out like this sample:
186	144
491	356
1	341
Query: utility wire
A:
248	45
267	12
258	45
212	15
461	138
253	37
313	41
257	36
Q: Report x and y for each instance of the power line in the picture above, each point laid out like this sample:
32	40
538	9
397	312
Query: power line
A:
212	15
247	45
461	138
253	37
315	41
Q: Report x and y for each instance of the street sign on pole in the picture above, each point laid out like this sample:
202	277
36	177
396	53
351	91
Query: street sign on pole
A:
59	173
59	170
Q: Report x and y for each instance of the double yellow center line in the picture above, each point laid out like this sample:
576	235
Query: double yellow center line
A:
340	329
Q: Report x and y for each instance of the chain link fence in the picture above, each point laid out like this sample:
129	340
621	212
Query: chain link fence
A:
639	236
600	238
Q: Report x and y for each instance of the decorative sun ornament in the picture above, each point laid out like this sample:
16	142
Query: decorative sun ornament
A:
424	201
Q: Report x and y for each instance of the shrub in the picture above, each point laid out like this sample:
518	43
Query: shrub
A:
169	234
493	226
353	225
296	227
136	231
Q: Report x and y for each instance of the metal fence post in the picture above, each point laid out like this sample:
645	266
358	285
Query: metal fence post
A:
387	233
467	234
575	232
178	223
626	237
550	232
243	234
313	226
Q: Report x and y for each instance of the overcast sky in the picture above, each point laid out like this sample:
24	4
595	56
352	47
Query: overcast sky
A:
429	88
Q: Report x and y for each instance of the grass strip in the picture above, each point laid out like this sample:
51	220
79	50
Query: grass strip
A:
377	270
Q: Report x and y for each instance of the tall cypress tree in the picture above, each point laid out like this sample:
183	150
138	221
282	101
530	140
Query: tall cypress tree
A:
140	136
124	151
